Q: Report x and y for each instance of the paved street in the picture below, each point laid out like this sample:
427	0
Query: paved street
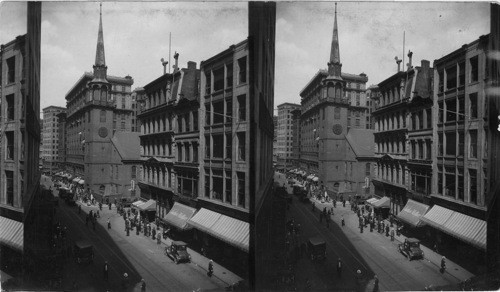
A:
371	252
136	255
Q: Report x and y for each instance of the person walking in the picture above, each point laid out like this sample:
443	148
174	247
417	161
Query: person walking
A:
105	271
343	222
210	268
443	264
339	268
143	285
375	285
125	282
154	233
109	224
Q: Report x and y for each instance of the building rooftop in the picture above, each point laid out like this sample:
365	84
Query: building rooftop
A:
362	142
127	144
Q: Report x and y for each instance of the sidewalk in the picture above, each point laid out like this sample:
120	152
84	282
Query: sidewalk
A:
219	272
452	268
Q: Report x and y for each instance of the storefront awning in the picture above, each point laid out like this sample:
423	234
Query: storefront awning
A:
461	226
12	233
413	212
225	228
385	202
179	215
137	203
150	205
372	200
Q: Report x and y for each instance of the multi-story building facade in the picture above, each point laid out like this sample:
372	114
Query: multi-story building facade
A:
169	140
392	125
285	135
50	138
137	97
460	181
61	134
493	201
371	94
275	141
296	137
20	131
333	103
98	105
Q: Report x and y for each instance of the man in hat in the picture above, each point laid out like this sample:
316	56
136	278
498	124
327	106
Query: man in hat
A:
210	268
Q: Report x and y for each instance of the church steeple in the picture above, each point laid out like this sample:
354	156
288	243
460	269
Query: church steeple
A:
100	69
334	65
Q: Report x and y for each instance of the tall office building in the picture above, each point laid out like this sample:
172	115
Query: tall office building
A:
285	135
50	138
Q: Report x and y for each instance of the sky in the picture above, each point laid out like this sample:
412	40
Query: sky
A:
370	36
136	37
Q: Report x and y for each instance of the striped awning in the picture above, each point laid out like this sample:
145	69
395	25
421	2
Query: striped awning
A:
179	215
137	203
385	202
413	212
225	228
150	205
458	225
12	233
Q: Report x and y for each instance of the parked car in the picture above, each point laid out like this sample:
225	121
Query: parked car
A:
316	248
83	251
411	249
178	252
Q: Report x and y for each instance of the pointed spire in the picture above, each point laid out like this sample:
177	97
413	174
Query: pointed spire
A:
334	65
100	60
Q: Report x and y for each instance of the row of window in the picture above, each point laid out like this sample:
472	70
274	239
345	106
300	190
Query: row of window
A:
187	152
453	144
421	149
454	76
219	112
157	175
395	145
451	183
454	109
391	172
218	186
421	119
221	78
219	146
390	122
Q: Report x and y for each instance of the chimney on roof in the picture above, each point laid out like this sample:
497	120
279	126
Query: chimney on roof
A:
191	65
398	61
164	63
176	66
410	54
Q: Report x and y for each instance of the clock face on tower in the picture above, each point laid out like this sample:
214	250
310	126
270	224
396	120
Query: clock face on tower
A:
337	129
103	132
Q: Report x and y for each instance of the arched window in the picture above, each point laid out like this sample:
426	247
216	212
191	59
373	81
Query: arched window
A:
338	91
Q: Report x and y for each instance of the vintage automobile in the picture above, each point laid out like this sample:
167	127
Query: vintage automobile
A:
411	249
178	252
83	251
316	248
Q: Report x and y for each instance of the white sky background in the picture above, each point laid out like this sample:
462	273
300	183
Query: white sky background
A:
136	37
370	36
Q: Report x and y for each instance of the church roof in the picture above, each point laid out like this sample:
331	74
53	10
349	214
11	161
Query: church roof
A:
362	142
127	144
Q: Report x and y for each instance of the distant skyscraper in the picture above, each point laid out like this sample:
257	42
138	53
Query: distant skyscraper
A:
50	138
285	135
